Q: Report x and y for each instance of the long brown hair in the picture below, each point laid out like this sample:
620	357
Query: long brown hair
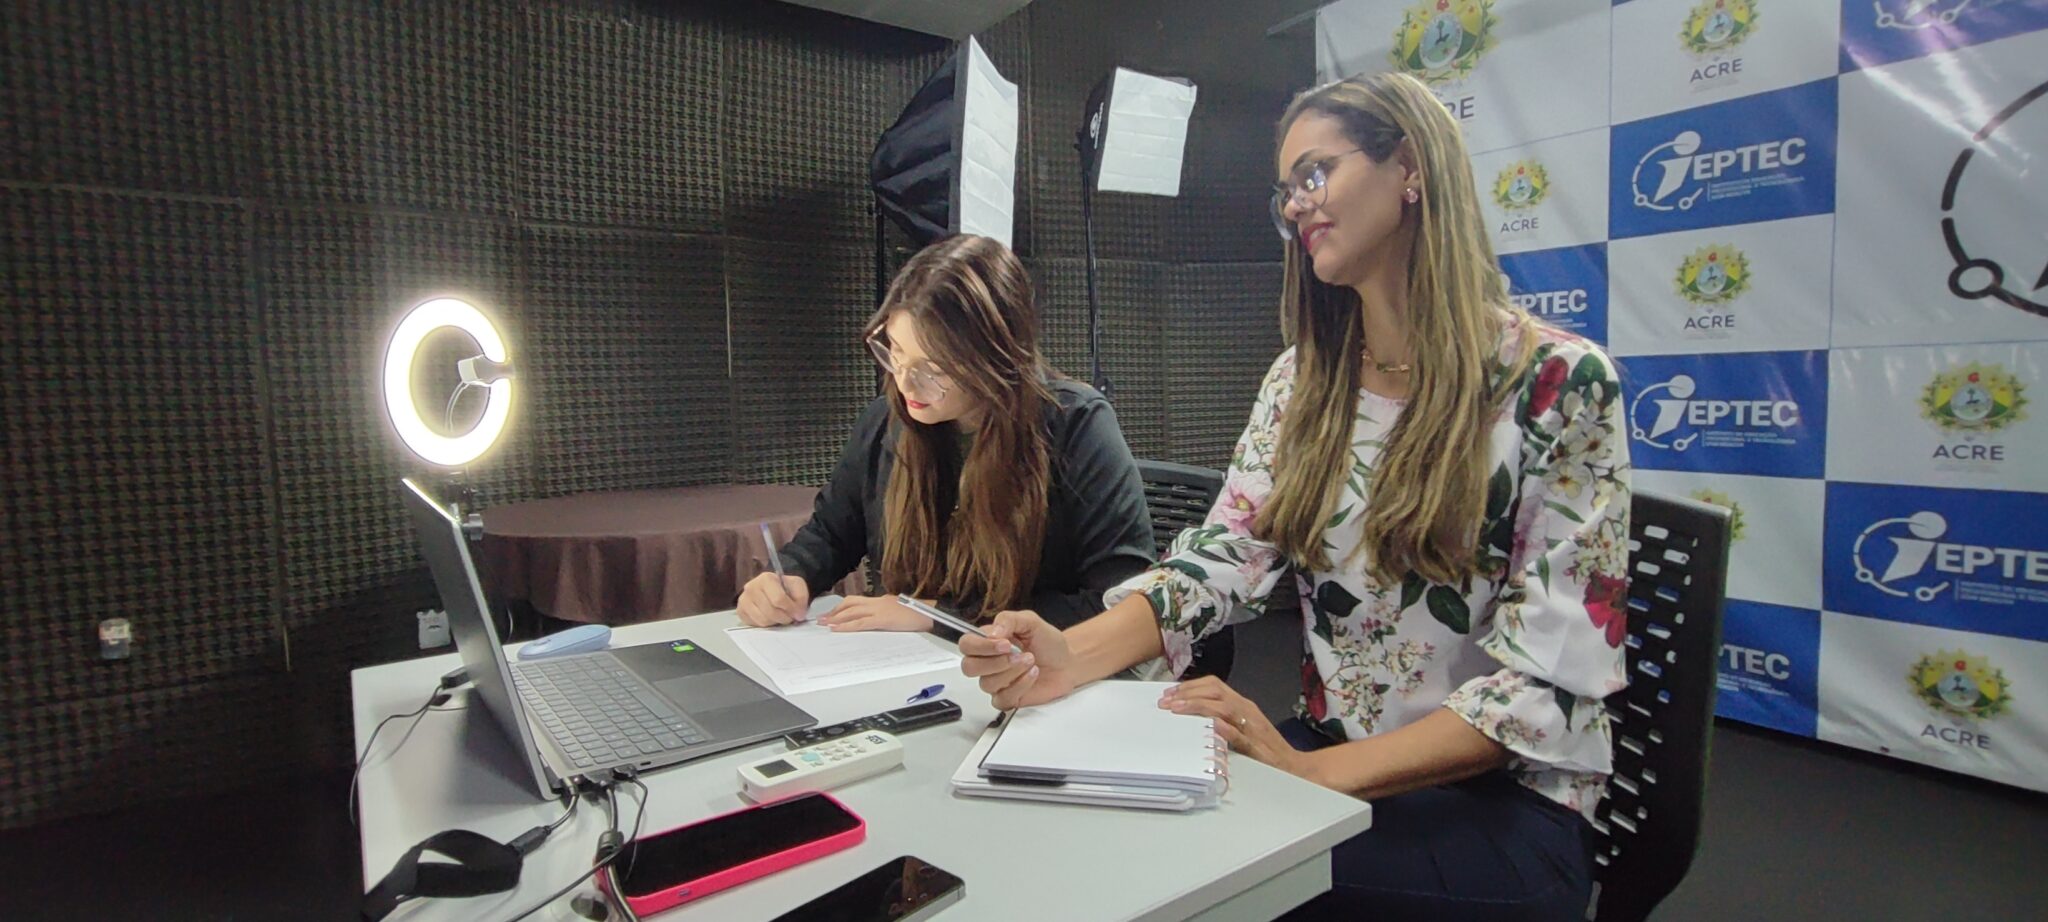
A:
972	302
1428	489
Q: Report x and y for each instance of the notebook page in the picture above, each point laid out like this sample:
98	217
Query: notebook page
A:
1108	730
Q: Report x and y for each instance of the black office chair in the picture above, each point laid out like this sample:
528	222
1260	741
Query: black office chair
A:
1178	497
1649	822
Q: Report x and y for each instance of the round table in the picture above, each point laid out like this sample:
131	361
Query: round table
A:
639	555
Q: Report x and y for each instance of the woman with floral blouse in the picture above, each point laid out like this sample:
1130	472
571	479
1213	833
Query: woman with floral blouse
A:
1448	478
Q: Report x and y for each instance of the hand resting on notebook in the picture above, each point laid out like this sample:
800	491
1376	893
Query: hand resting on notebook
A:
1239	722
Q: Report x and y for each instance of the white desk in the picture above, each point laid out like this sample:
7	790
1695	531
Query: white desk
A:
1264	851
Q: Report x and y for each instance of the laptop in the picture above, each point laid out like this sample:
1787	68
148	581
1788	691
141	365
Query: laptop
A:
643	706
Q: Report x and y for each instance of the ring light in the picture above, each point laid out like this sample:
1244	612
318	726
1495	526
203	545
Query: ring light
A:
431	446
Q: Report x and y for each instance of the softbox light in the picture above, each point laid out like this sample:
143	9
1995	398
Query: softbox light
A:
949	164
1134	130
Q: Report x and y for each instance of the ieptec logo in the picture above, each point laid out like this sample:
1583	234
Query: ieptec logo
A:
1559	303
1683	169
1923	566
1683	418
1756	662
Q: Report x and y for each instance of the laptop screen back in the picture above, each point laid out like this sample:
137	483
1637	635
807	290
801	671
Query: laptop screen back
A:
476	639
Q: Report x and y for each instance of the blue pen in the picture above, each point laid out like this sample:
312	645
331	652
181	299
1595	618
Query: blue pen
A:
925	694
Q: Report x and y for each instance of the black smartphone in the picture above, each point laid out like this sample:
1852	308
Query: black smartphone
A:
904	890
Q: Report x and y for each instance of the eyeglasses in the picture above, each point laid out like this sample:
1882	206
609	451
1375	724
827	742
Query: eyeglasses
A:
1309	188
920	380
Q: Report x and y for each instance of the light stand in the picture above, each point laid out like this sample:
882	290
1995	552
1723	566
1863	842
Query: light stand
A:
1134	129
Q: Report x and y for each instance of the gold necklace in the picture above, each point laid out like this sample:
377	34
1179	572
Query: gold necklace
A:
1386	368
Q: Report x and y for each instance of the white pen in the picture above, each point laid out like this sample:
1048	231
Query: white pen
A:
950	620
956	623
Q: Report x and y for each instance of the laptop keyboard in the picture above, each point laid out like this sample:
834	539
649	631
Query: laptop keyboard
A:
598	714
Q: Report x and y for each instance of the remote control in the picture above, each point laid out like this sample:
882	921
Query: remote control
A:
900	720
822	767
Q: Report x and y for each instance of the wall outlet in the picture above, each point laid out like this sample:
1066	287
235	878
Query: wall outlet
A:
117	636
433	629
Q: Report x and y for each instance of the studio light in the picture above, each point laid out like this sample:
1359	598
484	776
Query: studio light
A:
949	164
492	370
1134	131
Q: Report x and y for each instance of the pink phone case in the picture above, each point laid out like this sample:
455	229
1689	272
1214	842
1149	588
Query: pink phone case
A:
739	874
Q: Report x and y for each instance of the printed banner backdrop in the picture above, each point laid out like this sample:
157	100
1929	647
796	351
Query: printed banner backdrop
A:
1812	234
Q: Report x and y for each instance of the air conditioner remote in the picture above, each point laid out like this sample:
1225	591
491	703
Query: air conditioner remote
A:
822	767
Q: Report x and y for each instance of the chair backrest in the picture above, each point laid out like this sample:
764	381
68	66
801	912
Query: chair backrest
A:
1649	822
1178	496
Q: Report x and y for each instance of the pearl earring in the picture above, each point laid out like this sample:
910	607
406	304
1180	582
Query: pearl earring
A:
1412	195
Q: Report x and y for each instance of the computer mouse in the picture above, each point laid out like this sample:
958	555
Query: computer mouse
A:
584	638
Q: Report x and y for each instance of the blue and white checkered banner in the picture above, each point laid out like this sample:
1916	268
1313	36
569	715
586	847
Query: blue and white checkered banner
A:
1815	235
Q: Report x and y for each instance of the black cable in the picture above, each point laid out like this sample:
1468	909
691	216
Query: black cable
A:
439	697
610	845
604	861
526	842
566	814
644	793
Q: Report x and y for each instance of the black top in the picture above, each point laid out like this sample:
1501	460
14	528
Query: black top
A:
1097	532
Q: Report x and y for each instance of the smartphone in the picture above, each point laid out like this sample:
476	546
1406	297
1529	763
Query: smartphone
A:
904	890
669	868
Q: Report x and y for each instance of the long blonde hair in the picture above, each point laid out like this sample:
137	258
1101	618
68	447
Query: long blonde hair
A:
1428	489
972	302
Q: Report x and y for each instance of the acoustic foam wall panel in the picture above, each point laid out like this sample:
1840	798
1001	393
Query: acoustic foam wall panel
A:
130	95
1224	212
1133	340
385	102
384	151
96	754
134	482
135	475
618	119
628	383
803	107
1222	327
800	373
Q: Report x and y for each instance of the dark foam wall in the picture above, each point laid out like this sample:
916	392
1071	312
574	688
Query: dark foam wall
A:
213	211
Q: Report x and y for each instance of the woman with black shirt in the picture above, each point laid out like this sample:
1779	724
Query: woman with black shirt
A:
981	480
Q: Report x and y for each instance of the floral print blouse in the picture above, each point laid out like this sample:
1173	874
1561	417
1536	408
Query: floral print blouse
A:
1523	651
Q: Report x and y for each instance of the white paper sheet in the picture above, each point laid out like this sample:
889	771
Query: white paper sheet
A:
808	657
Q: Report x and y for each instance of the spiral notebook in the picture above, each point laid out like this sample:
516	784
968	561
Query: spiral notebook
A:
1108	743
